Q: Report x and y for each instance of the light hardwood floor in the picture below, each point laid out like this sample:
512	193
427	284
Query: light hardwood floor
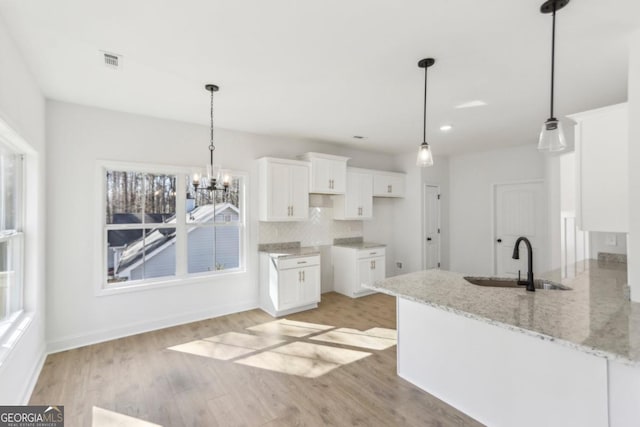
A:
140	377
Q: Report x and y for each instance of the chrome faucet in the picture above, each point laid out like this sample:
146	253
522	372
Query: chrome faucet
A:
516	255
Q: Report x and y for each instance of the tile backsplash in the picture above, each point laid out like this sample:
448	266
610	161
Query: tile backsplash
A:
319	230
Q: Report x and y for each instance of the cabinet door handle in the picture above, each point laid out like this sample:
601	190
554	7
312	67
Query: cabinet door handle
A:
370	265
303	275
291	210
299	276
374	264
389	188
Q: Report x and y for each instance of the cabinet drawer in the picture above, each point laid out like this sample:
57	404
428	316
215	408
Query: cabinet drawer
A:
370	253
298	262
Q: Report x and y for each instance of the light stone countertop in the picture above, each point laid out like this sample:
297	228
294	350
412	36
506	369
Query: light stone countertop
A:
595	317
360	245
301	251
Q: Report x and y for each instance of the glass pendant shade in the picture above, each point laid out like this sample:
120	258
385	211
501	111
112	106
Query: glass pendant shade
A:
425	158
552	136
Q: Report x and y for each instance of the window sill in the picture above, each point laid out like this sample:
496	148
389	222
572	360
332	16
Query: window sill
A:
11	331
106	290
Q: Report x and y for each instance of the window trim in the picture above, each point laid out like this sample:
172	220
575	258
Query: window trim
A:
182	277
15	324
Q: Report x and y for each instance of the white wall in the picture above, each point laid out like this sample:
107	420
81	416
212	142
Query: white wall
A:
613	243
78	137
553	187
407	220
22	108
568	182
438	174
633	241
471	177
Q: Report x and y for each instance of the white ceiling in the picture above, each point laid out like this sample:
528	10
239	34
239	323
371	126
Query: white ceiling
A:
331	69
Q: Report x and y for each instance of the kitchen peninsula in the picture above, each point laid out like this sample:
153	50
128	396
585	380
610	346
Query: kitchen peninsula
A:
510	357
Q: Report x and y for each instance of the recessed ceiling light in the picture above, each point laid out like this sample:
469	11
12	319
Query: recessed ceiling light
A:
358	136
446	128
472	104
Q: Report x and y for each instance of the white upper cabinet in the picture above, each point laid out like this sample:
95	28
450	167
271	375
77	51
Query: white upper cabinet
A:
602	172
357	202
388	184
327	174
284	189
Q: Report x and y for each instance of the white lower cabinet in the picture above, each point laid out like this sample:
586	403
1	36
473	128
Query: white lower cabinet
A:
353	267
289	285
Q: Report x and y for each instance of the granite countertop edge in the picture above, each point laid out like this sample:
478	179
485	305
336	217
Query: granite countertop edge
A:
360	245
529	332
300	252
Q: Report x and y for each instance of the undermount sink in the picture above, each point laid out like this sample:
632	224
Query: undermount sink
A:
502	282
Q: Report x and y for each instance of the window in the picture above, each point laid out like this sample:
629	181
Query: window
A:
158	227
214	228
11	236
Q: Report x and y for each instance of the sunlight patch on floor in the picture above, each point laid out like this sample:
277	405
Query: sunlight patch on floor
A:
290	328
254	342
303	359
104	418
382	333
213	350
371	339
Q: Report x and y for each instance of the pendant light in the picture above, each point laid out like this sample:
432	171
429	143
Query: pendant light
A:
212	179
552	136
425	157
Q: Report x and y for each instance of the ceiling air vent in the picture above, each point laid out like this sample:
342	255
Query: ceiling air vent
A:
112	60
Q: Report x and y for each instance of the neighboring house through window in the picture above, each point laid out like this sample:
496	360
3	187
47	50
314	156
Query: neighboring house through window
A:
158	227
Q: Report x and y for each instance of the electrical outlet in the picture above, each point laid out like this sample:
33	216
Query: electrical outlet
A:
399	264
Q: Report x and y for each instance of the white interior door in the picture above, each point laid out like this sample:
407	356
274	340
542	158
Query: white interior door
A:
519	211
431	226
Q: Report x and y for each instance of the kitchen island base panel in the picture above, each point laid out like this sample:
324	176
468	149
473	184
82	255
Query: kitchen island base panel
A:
496	376
624	395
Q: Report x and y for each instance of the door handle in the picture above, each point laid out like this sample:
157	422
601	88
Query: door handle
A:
429	239
499	240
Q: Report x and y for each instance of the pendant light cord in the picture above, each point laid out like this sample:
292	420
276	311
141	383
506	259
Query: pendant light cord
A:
424	128
553	57
211	146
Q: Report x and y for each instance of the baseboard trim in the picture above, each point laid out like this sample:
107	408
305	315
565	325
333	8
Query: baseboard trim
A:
74	341
33	378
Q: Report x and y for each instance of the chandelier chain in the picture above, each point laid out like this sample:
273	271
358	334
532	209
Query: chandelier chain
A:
211	146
